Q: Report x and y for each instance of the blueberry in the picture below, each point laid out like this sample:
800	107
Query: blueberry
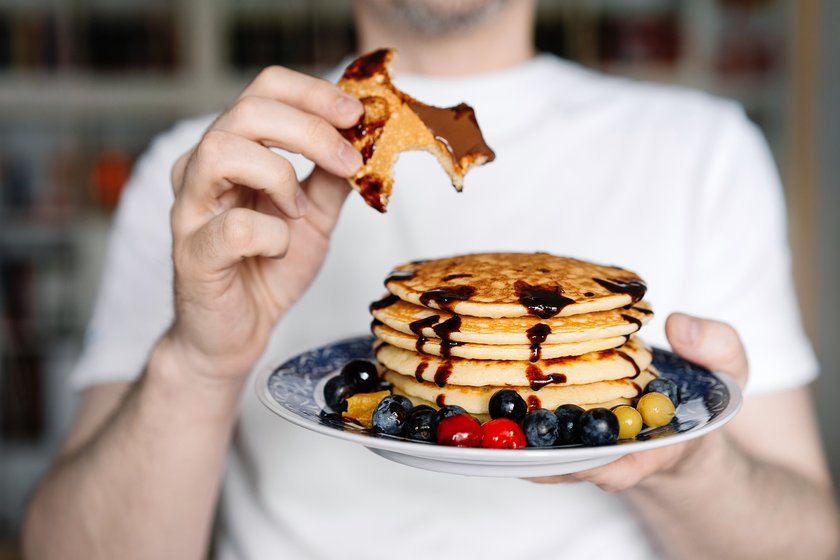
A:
363	374
336	391
405	402
666	387
389	416
420	424
446	412
420	408
540	427
507	403
568	429
598	426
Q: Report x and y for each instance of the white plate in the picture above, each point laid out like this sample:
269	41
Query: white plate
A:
294	391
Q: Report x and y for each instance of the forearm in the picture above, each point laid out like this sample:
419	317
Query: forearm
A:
146	484
724	503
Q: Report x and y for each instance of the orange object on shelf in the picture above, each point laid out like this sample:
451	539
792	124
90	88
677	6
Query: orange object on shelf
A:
111	170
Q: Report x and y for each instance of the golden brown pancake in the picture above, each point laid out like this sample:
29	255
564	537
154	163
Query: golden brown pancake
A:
623	362
469	350
515	285
414	319
394	122
475	400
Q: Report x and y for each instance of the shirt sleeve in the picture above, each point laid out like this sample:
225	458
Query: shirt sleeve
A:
135	303
741	266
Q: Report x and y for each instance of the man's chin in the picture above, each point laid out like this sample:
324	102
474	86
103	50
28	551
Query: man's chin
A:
436	17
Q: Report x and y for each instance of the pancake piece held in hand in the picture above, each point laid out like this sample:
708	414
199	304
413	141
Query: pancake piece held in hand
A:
394	122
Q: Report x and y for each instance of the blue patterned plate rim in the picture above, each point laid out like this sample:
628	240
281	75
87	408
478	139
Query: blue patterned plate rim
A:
292	391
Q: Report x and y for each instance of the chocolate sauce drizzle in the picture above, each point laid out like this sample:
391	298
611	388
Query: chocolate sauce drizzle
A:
444	297
537	379
643	310
367	66
387	301
542	301
630	359
533	402
398	275
418	372
444	330
454	276
417	328
444	370
634	288
440	400
461	139
631	319
537	335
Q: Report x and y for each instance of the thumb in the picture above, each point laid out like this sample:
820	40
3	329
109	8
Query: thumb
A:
711	344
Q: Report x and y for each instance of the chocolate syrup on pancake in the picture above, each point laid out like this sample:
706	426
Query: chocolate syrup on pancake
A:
442	374
537	335
444	330
634	288
418	373
542	301
440	400
387	301
533	402
417	328
537	379
631	319
454	276
643	310
367	66
371	187
455	127
398	275
630	359
444	297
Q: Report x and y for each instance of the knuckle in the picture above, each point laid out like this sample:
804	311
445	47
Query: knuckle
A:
316	129
285	173
272	73
245	109
211	147
237	229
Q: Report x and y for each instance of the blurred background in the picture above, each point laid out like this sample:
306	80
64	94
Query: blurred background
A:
85	84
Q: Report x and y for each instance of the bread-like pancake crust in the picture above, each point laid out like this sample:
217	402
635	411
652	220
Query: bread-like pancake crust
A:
515	285
394	122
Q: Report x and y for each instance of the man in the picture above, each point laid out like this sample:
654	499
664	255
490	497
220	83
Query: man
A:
669	183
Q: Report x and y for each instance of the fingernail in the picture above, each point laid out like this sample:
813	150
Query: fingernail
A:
688	328
301	203
347	105
350	157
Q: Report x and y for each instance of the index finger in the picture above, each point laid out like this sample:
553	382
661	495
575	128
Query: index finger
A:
308	93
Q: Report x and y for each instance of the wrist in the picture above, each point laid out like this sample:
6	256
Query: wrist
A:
182	378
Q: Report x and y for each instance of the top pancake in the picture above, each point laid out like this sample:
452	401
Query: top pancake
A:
515	285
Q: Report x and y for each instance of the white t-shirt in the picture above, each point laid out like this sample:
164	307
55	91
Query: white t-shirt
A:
673	184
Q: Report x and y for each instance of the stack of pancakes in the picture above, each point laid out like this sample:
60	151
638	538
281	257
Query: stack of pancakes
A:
557	330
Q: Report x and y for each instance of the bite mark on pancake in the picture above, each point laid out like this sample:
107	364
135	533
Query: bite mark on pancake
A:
394	122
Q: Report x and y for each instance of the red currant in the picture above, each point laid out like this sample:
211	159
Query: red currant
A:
502	433
461	430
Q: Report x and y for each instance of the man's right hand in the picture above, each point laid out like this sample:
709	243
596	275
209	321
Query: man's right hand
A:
248	238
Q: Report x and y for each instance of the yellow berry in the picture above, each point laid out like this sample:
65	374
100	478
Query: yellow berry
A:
629	421
656	409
